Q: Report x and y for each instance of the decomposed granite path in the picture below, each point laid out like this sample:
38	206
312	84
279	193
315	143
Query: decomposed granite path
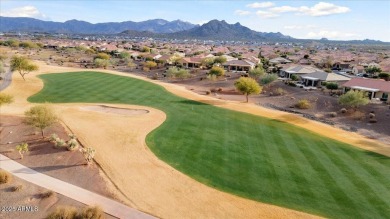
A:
109	206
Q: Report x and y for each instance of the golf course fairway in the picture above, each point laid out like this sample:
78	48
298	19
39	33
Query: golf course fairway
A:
250	156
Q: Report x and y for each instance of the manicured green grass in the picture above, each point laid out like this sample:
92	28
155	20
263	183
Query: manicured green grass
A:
253	157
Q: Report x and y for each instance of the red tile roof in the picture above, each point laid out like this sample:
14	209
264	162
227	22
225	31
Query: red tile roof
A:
379	84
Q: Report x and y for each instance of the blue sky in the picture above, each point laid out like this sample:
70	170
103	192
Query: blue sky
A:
340	20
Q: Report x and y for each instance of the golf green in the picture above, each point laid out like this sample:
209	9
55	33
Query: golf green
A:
250	156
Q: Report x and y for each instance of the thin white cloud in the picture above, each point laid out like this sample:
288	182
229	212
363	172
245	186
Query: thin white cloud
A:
331	34
242	12
283	9
319	9
299	27
323	9
267	14
26	11
260	5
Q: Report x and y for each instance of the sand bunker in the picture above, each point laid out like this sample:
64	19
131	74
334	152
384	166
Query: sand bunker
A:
116	110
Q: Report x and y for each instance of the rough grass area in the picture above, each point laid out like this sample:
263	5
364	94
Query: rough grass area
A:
253	157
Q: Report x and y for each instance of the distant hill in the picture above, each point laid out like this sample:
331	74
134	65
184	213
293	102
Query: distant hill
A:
23	24
220	30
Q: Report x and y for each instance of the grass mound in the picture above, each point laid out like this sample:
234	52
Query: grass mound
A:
250	156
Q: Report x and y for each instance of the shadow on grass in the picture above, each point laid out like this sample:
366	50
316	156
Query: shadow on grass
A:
376	155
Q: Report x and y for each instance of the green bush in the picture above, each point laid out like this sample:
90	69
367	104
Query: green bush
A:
303	104
5	177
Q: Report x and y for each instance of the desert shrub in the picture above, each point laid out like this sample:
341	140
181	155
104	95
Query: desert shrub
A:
5	177
358	115
63	213
212	77
91	213
59	143
208	92
279	91
72	144
290	83
343	110
47	194
72	136
17	188
53	137
303	104
373	120
371	115
333	114
220	89
217	71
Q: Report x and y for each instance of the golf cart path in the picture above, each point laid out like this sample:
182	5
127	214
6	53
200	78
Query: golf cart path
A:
109	206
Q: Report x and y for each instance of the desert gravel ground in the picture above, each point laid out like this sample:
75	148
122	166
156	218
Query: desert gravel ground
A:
150	184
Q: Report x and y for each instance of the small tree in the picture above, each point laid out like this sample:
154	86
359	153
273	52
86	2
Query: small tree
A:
150	64
5	99
124	55
220	59
268	79
145	49
384	76
22	148
332	86
101	63
217	71
102	55
22	65
354	99
247	86
256	72
175	72
294	77
207	62
40	116
89	154
373	70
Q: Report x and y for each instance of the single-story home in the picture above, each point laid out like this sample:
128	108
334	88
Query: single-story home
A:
297	70
239	65
191	62
314	79
376	88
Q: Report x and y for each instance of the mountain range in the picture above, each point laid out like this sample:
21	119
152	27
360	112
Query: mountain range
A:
214	30
24	24
157	28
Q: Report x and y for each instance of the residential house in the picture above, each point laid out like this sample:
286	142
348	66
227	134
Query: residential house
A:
344	67
298	70
314	79
191	62
375	88
239	65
